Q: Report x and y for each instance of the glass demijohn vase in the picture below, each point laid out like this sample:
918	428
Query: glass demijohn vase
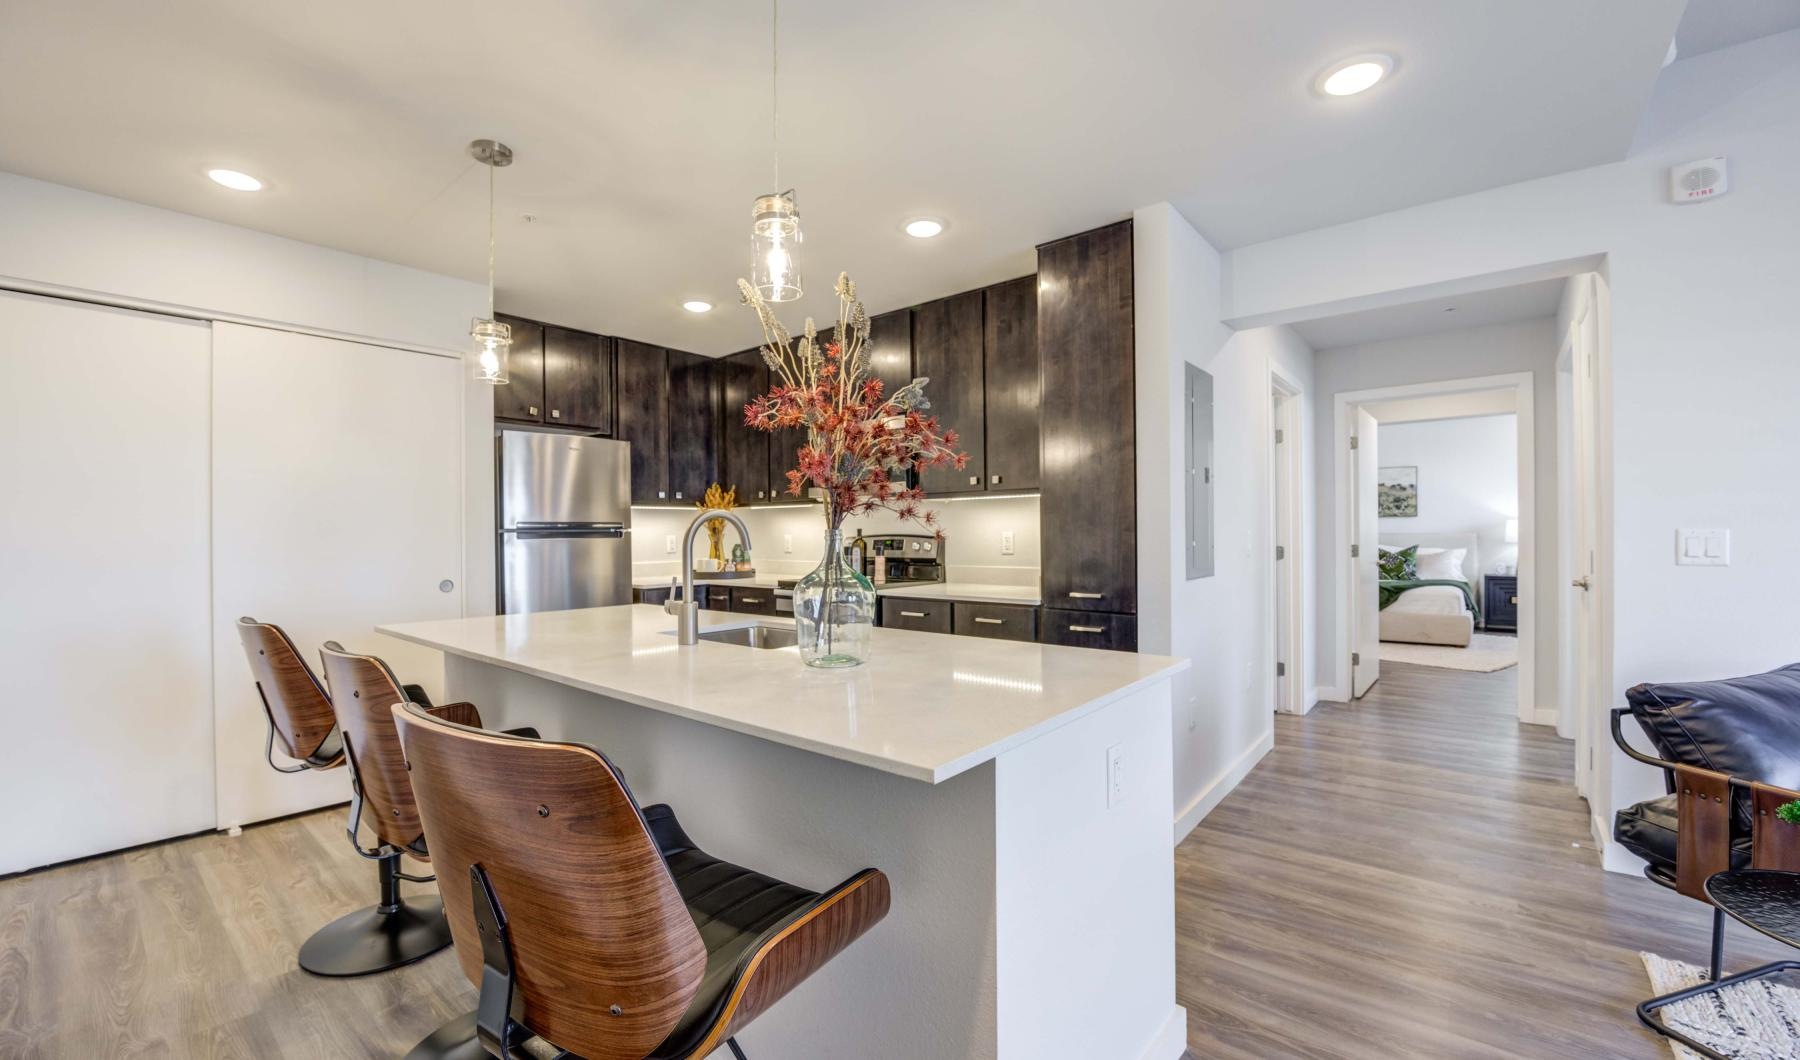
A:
834	610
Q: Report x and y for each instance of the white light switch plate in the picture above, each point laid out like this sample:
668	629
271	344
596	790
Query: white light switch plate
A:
669	543
1006	542
1703	548
787	542
1115	775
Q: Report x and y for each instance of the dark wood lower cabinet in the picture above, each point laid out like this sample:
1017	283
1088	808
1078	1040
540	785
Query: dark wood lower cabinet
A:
752	599
994	621
925	616
1088	629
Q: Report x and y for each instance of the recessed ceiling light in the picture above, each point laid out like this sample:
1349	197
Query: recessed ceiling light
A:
1354	75
924	227
234	180
695	305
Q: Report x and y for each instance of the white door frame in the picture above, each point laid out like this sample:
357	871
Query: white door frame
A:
1287	577
1343	517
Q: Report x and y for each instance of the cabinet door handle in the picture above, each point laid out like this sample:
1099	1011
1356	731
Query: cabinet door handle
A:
974	480
660	494
1086	596
912	614
677	494
531	409
994	480
1087	629
556	414
750	599
1512	600
991	621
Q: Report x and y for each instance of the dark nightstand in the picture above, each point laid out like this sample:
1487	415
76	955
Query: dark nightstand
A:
1500	603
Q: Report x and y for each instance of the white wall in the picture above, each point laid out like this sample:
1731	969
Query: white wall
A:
59	240
1498	349
972	544
1468	479
1224	705
1702	368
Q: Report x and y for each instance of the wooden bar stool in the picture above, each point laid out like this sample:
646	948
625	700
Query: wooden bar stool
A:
295	704
597	925
395	931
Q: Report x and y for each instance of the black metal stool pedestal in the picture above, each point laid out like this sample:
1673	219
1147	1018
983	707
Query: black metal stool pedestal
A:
394	932
1765	899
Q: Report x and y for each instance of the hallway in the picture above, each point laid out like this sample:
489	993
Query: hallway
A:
1412	876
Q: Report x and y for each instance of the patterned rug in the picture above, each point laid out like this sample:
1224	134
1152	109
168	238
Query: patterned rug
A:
1486	653
1754	1021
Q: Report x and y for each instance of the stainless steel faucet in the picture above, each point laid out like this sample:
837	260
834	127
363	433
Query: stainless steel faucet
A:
687	610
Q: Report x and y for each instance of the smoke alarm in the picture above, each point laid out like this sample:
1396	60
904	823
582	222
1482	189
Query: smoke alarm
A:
1698	181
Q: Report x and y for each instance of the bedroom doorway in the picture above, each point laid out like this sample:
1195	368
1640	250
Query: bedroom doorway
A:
1439	527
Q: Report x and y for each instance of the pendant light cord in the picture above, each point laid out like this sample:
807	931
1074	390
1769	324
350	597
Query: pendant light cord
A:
490	170
775	89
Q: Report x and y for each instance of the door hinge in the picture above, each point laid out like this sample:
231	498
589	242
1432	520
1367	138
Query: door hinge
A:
1355	658
1280	551
1355	551
1279	437
1353	442
1281	669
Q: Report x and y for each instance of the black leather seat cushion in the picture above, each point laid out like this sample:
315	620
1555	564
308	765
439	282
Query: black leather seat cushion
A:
1648	830
1744	727
733	907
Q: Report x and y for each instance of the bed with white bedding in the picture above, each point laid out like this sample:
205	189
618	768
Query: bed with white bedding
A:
1435	614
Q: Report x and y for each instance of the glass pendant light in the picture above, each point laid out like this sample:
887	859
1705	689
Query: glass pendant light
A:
492	339
774	220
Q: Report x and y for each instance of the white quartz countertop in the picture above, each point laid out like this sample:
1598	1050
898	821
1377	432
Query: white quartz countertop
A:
925	706
1027	595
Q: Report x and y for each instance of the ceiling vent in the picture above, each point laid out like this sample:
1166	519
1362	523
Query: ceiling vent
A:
1698	181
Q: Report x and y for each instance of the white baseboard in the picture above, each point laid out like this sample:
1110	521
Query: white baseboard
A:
1222	785
1170	1042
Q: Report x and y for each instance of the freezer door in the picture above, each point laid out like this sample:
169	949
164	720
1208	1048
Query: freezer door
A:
559	571
562	478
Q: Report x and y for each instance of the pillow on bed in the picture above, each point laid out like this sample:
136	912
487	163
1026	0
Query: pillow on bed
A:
1399	564
1441	564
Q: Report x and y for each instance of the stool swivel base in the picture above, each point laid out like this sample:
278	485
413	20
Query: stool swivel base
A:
395	932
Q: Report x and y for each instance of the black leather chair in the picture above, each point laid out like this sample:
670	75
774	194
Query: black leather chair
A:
1730	754
1745	729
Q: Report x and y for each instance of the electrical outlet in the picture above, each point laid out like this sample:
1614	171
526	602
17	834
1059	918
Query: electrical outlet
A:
1115	775
1006	542
669	543
787	542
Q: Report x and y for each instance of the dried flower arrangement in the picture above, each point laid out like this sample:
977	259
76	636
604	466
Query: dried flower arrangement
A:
860	441
723	499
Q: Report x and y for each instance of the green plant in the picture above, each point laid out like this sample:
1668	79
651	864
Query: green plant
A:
1789	812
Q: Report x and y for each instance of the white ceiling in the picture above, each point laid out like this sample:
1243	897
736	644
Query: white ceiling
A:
642	127
1525	301
1709	25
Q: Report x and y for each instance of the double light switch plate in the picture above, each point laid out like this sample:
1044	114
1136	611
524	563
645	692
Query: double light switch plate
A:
1703	548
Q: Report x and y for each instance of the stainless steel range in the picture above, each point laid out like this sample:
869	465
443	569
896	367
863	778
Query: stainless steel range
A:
892	559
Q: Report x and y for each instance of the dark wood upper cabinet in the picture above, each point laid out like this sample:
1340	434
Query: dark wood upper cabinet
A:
947	349
890	350
693	425
643	417
578	380
744	451
1088	494
522	398
1013	389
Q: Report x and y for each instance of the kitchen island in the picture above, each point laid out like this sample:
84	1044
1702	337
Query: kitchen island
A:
1017	795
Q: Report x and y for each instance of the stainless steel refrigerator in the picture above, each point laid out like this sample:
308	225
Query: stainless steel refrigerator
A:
565	522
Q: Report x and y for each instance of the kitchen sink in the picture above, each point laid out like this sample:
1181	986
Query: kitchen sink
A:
755	635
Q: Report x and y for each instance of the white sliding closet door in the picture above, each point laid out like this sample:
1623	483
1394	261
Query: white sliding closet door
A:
105	648
337	505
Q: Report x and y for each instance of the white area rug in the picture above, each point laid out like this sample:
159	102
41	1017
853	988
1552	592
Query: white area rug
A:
1486	653
1754	1021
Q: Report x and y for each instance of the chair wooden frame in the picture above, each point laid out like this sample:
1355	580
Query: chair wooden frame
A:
567	916
300	714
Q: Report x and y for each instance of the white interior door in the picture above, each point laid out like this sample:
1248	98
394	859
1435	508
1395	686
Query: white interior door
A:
337	506
1365	669
104	640
1582	565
